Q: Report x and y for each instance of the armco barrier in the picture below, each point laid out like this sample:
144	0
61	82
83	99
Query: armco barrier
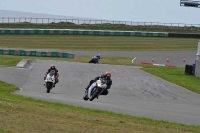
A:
83	32
20	52
184	35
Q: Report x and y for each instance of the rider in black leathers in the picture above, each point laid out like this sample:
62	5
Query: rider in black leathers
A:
108	80
52	67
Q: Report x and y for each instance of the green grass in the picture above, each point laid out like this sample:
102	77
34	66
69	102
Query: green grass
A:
77	42
176	76
102	27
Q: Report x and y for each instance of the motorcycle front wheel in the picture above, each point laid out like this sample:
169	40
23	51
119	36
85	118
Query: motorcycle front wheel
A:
95	94
49	86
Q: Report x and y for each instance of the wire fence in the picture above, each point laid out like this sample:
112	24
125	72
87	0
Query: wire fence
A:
92	22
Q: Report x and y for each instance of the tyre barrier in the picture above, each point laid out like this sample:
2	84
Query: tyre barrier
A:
96	32
20	52
82	32
190	69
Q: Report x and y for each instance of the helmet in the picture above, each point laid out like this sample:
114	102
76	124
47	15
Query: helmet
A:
98	56
52	66
107	74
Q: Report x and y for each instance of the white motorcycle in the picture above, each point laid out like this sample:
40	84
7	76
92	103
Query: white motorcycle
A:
50	80
95	89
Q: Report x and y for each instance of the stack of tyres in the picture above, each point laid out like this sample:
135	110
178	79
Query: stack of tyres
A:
186	69
190	69
193	69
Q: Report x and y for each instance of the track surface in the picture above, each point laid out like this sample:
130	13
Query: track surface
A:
133	92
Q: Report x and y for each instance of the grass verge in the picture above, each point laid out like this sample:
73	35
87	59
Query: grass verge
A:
97	43
22	114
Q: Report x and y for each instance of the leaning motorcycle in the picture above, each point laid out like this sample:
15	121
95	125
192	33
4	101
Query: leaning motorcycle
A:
95	90
50	80
94	60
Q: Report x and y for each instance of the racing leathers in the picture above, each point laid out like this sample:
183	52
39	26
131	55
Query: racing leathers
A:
56	74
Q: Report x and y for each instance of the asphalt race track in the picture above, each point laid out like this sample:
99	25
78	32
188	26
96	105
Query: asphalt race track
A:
133	92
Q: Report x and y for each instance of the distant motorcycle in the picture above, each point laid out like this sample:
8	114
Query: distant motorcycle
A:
94	60
50	80
95	90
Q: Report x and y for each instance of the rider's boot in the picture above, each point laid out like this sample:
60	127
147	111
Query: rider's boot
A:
86	91
44	80
55	82
85	96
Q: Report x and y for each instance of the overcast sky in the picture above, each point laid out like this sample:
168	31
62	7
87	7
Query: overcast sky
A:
166	11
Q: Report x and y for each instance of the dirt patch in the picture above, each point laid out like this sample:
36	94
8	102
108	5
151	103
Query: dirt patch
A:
29	64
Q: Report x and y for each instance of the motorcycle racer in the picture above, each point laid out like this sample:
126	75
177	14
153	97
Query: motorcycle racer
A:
106	77
52	67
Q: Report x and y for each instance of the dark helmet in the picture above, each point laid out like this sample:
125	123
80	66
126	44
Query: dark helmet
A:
52	66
